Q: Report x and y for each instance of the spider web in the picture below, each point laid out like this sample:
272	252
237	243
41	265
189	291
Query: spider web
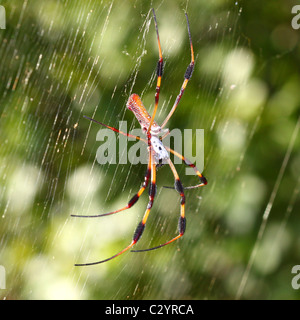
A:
61	60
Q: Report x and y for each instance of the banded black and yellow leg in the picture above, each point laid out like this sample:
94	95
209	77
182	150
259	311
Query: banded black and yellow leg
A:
187	77
203	180
152	193
136	197
159	73
141	226
182	219
116	130
131	202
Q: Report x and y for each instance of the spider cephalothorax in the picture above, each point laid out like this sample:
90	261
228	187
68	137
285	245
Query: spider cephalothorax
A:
158	154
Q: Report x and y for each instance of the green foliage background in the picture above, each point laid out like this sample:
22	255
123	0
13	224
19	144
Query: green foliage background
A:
61	60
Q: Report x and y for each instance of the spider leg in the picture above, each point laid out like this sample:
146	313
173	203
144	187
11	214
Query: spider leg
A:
131	202
191	165
159	73
116	130
187	76
182	220
141	226
136	197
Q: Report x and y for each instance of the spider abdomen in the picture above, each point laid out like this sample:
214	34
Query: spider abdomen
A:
135	104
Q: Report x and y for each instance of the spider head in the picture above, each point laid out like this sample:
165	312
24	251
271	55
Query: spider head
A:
159	151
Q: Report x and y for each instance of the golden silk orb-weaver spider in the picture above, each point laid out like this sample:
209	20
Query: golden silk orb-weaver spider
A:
157	152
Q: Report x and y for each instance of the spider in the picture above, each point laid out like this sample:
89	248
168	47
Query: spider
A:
157	152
